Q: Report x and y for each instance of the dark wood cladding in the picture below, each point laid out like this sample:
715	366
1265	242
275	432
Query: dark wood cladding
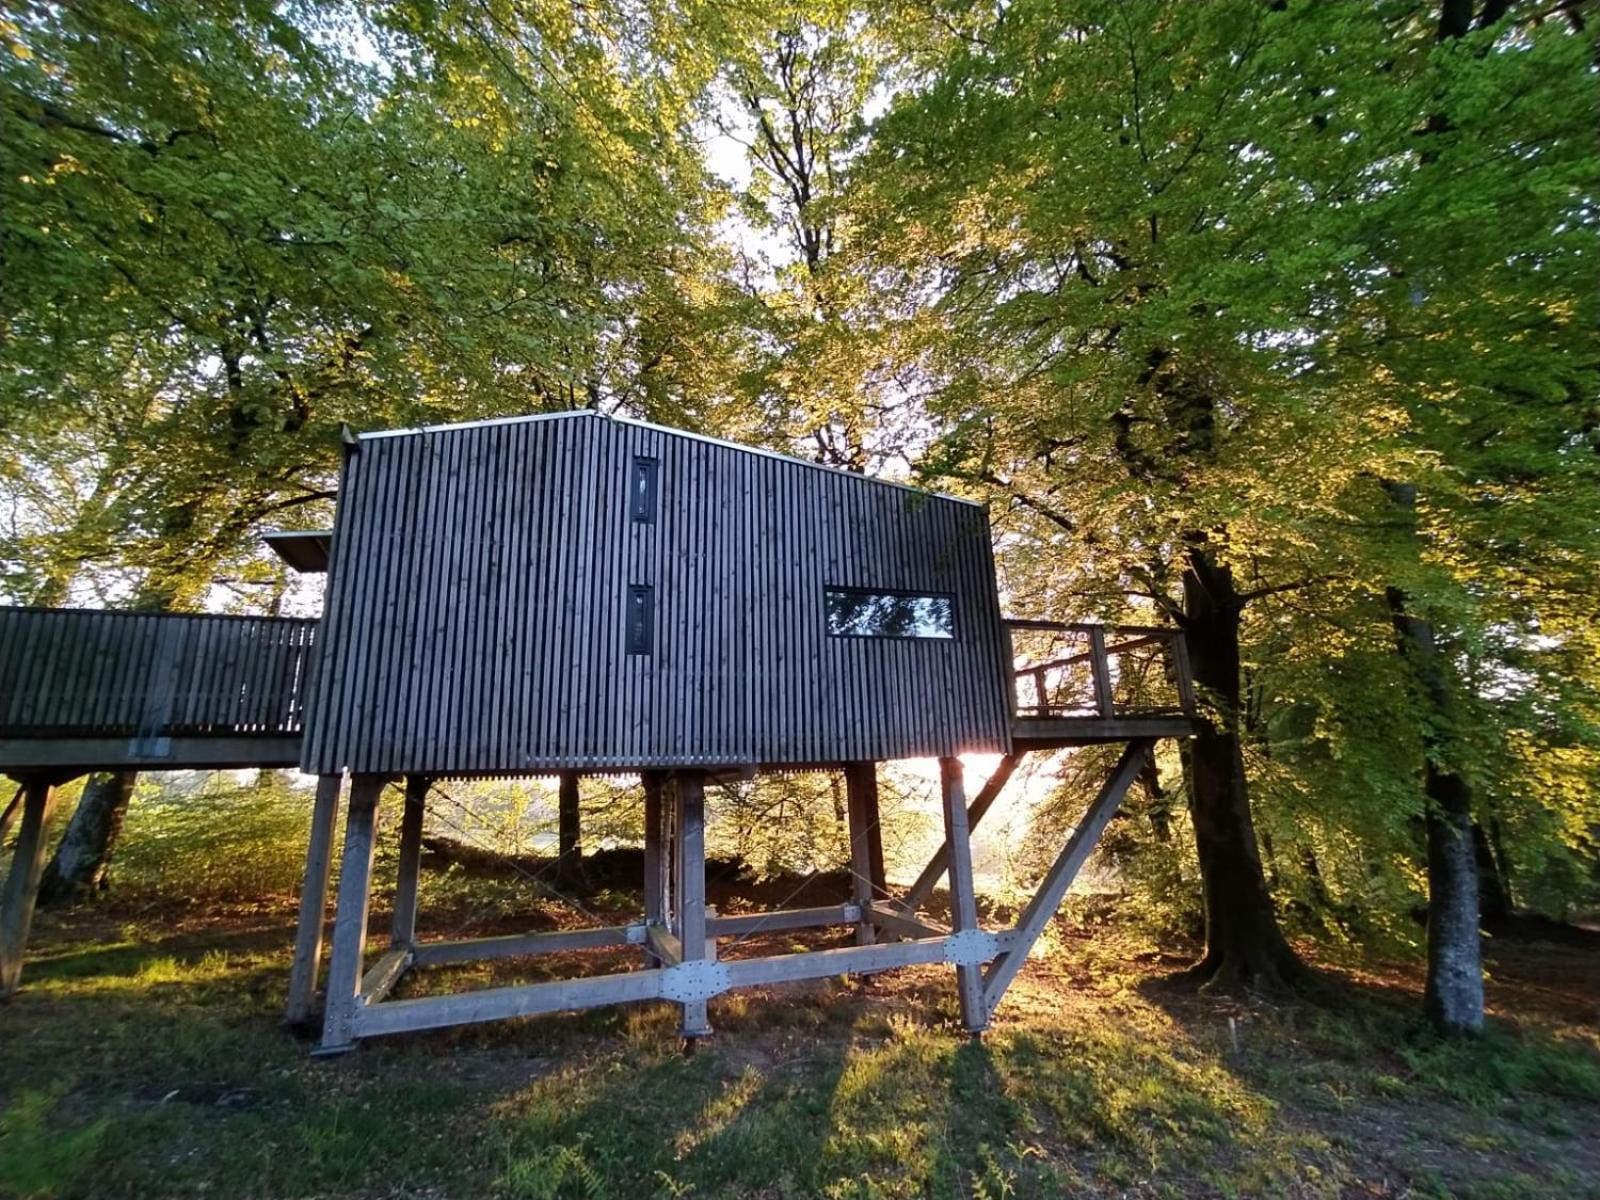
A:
477	610
71	672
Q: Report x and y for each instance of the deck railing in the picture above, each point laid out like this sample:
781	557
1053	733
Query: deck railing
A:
81	673
1079	670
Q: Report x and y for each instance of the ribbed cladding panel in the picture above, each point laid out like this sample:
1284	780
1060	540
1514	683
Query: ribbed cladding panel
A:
66	672
477	609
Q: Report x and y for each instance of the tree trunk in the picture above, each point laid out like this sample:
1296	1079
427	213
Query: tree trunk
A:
569	846
1243	941
82	861
1453	995
1494	887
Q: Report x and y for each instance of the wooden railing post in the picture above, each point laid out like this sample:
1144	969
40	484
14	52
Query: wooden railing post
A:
1011	666
1100	664
1182	673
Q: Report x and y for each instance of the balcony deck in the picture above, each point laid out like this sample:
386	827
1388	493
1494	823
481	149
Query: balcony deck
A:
1077	684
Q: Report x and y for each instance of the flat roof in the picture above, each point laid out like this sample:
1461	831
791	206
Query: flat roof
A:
306	550
699	437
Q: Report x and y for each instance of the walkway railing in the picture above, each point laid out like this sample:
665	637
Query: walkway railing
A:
1079	670
85	673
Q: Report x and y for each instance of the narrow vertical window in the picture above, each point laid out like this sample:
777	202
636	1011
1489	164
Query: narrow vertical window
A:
641	619
642	490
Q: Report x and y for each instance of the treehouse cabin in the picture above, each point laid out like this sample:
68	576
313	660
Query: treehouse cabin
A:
575	594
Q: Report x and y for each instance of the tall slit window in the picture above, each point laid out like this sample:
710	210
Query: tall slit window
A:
859	612
642	490
641	619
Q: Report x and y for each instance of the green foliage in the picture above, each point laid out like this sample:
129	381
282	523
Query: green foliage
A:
1208	275
1144	276
210	837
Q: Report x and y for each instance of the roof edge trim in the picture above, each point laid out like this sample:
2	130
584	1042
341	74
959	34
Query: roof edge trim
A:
675	432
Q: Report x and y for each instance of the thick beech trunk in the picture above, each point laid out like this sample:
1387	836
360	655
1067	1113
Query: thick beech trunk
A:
1453	996
82	861
1243	941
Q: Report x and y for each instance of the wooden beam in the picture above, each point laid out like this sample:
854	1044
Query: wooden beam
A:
824	964
21	890
665	945
691	844
403	927
1054	887
313	902
918	895
1100	663
1056	733
200	752
385	973
903	925
555	941
1182	673
350	923
861	794
963	898
497	1004
746	924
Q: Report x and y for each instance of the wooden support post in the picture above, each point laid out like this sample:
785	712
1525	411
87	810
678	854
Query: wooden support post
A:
313	902
861	790
350	923
403	930
1100	664
690	838
963	898
1054	887
1182	673
655	891
1011	667
569	839
934	871
21	889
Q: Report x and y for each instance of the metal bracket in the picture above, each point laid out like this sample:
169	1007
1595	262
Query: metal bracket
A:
638	933
971	947
698	979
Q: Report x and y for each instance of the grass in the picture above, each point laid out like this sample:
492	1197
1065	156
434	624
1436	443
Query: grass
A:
144	1059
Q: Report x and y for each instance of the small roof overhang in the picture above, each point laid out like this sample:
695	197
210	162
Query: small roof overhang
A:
306	550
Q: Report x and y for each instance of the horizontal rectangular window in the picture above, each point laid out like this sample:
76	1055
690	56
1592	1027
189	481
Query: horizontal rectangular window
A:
857	612
642	490
641	619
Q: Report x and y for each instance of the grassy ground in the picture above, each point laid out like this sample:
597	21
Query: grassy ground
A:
144	1059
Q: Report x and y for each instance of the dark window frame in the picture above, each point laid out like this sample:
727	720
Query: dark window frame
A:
639	619
644	490
913	593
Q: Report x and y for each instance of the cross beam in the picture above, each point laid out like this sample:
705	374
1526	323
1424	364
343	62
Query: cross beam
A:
679	931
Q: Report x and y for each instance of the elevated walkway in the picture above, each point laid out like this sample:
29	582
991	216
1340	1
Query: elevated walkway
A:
88	690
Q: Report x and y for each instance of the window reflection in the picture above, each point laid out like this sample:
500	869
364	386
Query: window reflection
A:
854	612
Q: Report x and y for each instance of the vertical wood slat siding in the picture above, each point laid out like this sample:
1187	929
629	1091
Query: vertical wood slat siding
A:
476	609
71	672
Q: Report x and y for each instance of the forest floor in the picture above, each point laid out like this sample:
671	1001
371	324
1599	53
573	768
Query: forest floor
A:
144	1058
